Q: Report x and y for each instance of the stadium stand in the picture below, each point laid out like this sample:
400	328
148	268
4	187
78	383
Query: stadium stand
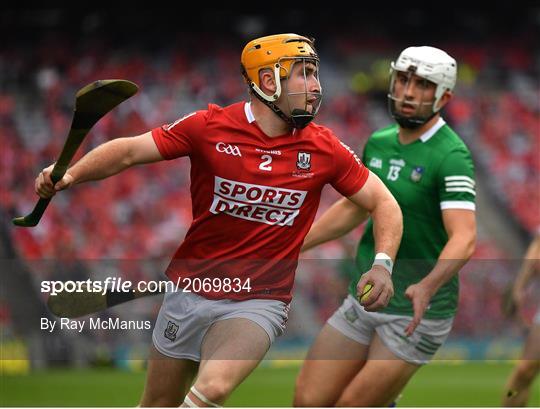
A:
145	213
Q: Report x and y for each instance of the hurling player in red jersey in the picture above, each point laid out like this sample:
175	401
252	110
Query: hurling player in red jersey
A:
257	172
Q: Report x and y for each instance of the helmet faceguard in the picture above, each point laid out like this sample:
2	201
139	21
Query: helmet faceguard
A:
301	117
432	65
280	53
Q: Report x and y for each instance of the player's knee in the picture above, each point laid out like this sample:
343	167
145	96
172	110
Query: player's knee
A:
216	390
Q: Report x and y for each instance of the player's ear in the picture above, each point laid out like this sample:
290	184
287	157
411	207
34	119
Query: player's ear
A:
446	97
267	81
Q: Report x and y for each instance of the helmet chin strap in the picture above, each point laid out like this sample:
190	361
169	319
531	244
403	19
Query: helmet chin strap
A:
275	109
299	118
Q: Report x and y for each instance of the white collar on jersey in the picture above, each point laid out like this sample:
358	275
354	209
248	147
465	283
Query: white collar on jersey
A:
426	136
249	113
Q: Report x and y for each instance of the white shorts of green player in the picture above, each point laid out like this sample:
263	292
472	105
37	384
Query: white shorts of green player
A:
354	322
368	357
203	349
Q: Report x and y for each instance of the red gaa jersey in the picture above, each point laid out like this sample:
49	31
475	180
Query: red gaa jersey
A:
254	199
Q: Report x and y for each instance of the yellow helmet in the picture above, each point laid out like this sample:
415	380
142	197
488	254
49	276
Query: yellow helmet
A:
275	52
278	53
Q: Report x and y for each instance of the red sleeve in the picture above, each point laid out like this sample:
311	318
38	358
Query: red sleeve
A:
350	173
177	139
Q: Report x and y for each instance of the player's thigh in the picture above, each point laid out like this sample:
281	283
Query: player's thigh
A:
167	380
331	363
230	350
234	339
380	380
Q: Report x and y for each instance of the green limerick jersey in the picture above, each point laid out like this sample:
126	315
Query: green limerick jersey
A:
429	175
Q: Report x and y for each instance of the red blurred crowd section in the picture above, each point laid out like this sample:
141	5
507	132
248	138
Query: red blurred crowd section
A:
146	211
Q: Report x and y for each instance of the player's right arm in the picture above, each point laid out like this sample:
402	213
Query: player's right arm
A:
340	218
106	160
369	194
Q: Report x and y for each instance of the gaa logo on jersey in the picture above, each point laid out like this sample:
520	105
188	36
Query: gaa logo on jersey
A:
417	173
304	161
375	163
171	330
228	149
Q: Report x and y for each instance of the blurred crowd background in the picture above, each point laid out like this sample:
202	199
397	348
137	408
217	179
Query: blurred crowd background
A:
130	225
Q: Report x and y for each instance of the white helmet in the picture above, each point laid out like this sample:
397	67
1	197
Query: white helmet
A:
430	63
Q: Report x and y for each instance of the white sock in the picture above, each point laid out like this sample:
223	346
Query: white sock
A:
189	403
203	398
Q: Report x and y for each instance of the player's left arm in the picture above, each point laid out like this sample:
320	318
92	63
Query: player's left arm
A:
457	192
365	190
376	199
461	228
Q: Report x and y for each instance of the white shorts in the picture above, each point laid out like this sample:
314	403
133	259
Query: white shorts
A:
185	317
354	322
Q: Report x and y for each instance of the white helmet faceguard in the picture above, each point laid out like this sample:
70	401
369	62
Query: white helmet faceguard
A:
429	63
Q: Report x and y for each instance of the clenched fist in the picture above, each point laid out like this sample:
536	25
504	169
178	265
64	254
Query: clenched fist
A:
44	186
382	290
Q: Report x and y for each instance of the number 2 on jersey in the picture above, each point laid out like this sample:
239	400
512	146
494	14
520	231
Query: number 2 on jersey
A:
265	165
